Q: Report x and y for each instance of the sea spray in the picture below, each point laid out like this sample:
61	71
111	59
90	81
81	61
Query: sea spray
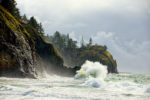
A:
119	87
93	73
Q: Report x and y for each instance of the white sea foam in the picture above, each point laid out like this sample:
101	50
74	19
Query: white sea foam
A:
53	87
115	87
94	73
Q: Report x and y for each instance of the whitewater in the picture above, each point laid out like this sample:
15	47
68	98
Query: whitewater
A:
90	83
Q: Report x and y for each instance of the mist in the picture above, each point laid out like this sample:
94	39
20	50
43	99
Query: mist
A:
121	25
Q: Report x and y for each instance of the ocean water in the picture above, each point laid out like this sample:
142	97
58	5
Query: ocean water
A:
91	82
114	87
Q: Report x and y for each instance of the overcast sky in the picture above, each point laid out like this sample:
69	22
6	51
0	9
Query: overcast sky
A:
122	25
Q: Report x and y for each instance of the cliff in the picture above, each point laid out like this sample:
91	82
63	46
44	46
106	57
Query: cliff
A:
100	54
75	56
23	51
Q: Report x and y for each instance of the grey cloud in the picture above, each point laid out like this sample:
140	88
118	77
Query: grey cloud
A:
130	55
125	24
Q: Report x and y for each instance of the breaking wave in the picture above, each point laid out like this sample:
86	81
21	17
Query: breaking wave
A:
93	73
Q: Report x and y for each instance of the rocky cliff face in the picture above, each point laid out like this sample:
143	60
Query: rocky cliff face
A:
52	61
23	51
95	53
16	48
100	54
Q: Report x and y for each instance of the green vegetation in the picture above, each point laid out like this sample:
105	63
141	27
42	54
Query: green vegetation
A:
23	40
33	22
75	56
46	50
23	47
10	5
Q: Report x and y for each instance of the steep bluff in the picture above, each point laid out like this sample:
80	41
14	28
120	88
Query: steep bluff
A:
53	62
23	51
16	48
95	53
100	54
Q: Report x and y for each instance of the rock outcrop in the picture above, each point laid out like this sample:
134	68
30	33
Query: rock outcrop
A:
100	54
23	51
52	61
17	52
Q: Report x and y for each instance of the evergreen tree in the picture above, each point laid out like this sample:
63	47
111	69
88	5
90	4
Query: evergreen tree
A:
71	44
57	40
40	29
10	5
17	13
33	23
24	18
105	47
82	43
90	42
